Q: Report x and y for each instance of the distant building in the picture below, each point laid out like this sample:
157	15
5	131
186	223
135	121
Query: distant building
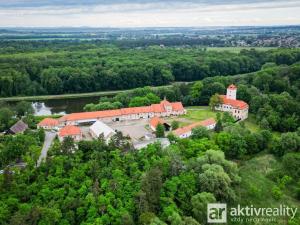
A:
100	128
238	109
48	124
163	109
185	132
18	127
155	121
70	131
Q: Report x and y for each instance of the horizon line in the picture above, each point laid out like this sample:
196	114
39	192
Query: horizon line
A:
138	27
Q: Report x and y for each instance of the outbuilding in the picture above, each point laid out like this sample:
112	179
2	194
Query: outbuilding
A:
70	131
18	127
99	128
48	124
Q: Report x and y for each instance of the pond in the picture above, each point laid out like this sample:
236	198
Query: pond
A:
62	106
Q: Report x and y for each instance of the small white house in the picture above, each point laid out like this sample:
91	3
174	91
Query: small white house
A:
48	124
185	132
70	131
100	128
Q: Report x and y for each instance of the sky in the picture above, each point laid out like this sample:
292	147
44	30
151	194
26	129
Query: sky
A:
146	13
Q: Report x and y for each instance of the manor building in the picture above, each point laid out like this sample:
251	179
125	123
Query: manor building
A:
229	103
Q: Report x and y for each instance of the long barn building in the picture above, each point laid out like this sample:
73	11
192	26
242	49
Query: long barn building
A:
163	109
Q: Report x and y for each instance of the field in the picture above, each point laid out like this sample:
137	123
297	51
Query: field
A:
238	49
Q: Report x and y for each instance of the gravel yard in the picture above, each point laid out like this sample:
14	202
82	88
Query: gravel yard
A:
136	129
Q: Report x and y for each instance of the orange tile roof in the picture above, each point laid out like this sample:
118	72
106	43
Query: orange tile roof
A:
165	102
204	123
154	108
69	130
48	122
234	103
157	108
177	106
155	121
232	87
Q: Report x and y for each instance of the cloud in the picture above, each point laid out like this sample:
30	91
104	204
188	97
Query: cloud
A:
72	3
147	13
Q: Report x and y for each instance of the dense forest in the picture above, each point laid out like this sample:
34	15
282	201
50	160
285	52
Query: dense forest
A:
59	68
94	182
99	183
114	184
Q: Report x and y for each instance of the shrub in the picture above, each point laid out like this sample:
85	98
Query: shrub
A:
276	192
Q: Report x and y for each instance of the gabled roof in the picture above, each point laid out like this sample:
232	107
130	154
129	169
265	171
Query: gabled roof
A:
232	87
155	121
234	103
48	122
69	130
165	103
101	128
177	106
19	127
154	108
186	129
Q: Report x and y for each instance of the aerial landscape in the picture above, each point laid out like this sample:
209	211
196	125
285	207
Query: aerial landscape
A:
149	112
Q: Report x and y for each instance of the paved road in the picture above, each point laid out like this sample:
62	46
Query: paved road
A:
49	137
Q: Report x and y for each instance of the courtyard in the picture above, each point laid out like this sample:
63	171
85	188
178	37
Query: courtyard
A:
136	129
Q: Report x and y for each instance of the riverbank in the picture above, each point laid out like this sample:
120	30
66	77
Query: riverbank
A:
63	96
68	96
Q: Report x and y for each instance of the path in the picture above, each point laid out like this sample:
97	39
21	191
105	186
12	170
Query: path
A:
49	137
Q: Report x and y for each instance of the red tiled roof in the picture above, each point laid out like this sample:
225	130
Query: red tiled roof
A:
69	130
157	108
232	87
165	102
154	108
204	123
234	103
177	106
48	122
155	121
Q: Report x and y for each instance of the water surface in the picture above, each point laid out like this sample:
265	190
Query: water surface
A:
62	106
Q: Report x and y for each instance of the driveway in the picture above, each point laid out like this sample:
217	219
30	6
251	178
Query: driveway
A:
49	137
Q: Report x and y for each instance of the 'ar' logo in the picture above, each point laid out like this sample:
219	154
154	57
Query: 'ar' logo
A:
216	213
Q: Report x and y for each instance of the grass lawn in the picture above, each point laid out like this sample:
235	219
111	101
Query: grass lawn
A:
251	124
198	113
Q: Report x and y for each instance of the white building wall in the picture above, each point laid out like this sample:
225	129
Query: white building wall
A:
126	117
75	137
231	93
241	114
186	135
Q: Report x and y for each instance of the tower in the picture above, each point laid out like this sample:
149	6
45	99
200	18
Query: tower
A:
167	105
231	92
